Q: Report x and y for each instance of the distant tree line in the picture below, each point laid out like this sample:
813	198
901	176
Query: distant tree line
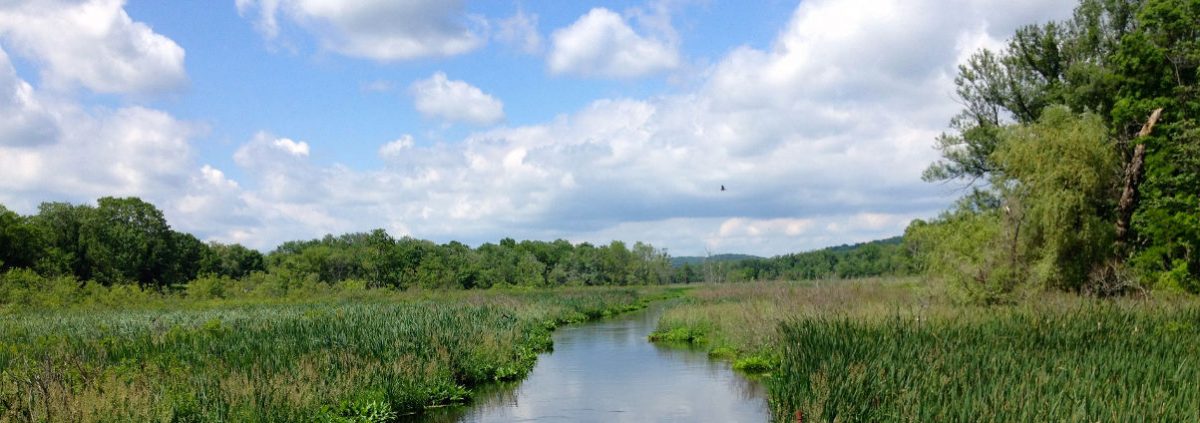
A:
887	257
127	242
380	260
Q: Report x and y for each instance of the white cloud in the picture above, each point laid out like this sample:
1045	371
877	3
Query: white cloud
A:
455	101
383	30
53	147
128	151
520	31
24	121
395	149
602	44
94	44
291	147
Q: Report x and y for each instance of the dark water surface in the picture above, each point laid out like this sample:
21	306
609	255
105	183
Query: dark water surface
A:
607	371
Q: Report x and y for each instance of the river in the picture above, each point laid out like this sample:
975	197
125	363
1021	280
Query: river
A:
606	371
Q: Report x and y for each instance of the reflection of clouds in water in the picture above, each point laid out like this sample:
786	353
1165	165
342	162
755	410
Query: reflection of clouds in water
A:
748	388
607	371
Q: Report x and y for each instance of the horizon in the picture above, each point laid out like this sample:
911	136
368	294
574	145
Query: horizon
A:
260	121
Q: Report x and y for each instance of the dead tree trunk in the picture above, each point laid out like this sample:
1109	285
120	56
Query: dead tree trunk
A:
1133	178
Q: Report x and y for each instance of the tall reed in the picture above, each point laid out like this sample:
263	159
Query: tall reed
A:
319	361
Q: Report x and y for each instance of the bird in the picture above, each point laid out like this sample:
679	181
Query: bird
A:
722	187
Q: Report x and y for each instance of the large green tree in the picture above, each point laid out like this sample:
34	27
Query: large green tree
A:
1116	59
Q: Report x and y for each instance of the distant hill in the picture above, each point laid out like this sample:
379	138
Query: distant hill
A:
896	240
697	260
885	257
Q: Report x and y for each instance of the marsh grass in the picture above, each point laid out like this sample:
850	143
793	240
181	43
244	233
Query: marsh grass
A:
892	350
739	322
310	361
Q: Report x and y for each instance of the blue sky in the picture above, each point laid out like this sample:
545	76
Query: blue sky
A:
261	121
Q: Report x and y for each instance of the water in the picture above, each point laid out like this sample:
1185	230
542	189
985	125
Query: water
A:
608	372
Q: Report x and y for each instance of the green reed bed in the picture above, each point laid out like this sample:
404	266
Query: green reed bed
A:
895	350
1088	362
739	322
320	361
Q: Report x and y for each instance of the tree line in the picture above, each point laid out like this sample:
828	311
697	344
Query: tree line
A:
885	257
126	242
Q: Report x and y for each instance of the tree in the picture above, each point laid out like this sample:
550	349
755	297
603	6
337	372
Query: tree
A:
1159	67
127	240
1117	59
20	243
231	260
1058	182
60	226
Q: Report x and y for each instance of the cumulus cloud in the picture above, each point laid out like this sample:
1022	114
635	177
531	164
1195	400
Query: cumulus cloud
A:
602	44
520	32
128	151
395	149
382	30
94	44
24	121
455	101
54	148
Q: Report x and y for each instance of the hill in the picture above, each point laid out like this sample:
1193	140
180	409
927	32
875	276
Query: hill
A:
698	260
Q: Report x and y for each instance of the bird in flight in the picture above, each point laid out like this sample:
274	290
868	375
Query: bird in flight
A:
722	187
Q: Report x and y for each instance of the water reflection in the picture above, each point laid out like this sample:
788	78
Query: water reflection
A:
607	371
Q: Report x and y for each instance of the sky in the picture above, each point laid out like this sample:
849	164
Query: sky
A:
264	121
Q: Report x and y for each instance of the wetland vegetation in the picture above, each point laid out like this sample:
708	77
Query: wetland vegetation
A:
895	349
350	357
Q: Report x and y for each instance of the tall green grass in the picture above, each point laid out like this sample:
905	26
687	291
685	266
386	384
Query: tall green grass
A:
321	361
1089	362
893	350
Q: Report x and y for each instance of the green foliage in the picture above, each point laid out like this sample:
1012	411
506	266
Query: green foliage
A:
1052	226
122	241
966	249
407	262
126	241
876	258
1160	67
19	240
1058	184
209	287
1118	59
231	260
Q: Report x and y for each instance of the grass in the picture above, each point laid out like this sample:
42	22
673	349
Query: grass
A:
891	350
334	360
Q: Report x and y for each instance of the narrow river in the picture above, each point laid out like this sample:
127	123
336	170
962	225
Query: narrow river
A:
606	371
